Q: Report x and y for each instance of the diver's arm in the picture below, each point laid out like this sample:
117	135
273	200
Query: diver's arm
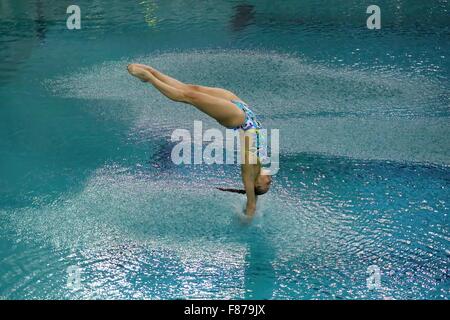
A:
248	173
249	184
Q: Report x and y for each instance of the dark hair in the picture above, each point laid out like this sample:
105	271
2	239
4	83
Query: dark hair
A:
258	190
232	190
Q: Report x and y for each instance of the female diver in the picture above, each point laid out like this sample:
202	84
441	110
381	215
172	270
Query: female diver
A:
227	109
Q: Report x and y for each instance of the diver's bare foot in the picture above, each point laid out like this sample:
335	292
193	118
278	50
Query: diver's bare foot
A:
139	72
144	66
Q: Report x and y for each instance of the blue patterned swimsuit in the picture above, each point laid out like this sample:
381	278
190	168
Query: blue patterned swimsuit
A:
251	124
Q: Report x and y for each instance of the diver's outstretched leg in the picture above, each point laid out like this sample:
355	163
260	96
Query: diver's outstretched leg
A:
215	92
224	111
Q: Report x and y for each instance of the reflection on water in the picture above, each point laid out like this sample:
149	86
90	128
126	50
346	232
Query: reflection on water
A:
41	25
243	16
260	276
15	44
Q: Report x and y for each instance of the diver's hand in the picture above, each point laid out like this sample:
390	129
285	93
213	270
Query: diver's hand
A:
250	210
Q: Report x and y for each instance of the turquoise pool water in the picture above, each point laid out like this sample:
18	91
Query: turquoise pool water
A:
86	179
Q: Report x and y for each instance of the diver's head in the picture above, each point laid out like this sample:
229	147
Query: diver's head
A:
262	182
